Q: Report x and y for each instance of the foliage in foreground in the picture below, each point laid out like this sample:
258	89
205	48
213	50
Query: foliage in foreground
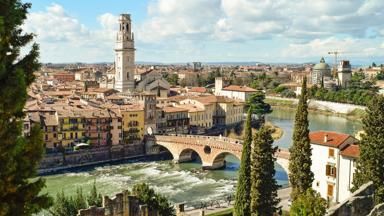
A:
242	198
154	200
20	190
370	163
309	203
70	205
264	199
300	174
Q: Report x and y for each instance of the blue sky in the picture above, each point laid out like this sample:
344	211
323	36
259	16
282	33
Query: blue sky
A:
211	30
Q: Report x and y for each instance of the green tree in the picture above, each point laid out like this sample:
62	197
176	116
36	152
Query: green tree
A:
94	198
63	206
264	187
79	200
20	190
154	201
371	160
300	174
309	203
258	107
173	79
183	83
242	198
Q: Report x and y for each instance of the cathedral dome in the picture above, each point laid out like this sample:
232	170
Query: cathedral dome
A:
322	65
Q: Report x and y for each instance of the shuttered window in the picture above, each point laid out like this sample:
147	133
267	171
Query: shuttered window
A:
330	170
331	152
330	190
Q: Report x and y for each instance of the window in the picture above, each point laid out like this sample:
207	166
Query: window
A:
317	184
330	171
331	152
330	190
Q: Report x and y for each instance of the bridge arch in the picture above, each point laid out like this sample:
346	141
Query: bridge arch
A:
218	160
187	155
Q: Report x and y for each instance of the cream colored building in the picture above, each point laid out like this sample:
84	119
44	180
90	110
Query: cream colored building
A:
333	164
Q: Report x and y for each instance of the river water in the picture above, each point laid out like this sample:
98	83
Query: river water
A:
186	182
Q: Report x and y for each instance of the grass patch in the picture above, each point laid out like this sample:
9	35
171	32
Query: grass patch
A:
227	212
274	102
357	113
277	132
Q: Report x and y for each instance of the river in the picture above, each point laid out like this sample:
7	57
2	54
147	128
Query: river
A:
186	182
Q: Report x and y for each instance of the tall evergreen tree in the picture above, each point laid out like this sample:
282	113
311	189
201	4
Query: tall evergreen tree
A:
300	175
264	187
242	198
19	155
370	163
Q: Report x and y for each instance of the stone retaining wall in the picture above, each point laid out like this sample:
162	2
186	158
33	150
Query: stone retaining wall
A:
341	108
358	204
55	161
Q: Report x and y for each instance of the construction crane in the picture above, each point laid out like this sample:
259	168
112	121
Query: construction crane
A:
335	53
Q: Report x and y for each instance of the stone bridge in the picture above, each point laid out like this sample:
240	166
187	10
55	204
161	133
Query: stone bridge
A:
211	149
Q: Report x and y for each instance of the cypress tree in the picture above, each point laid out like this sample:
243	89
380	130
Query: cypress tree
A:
370	163
300	175
19	155
264	187
242	198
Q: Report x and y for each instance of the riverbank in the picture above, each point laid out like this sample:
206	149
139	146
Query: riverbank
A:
291	104
277	132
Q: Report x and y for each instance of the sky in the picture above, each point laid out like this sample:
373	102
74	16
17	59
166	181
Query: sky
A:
178	31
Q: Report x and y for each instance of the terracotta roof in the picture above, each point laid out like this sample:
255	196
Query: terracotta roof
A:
132	107
170	109
334	139
239	88
198	89
351	151
191	108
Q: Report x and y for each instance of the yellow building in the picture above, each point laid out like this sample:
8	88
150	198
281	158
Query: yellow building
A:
200	114
132	123
71	127
226	111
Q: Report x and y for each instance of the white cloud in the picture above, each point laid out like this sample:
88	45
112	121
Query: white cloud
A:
63	38
189	28
108	21
349	48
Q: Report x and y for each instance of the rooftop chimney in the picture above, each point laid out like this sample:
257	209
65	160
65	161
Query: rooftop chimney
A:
326	138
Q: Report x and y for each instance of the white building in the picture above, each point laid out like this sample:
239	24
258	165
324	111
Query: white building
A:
333	164
233	91
124	56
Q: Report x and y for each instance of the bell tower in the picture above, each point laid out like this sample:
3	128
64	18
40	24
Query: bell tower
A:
124	56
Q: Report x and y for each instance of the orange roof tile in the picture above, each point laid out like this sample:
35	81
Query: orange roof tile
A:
198	89
334	139
239	88
170	109
351	151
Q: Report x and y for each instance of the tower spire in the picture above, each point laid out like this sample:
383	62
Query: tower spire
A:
124	55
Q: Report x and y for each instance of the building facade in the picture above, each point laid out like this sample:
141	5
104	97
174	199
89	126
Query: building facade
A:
133	123
344	73
333	164
320	72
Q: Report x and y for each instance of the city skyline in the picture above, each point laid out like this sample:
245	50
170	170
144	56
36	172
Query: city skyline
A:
169	31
